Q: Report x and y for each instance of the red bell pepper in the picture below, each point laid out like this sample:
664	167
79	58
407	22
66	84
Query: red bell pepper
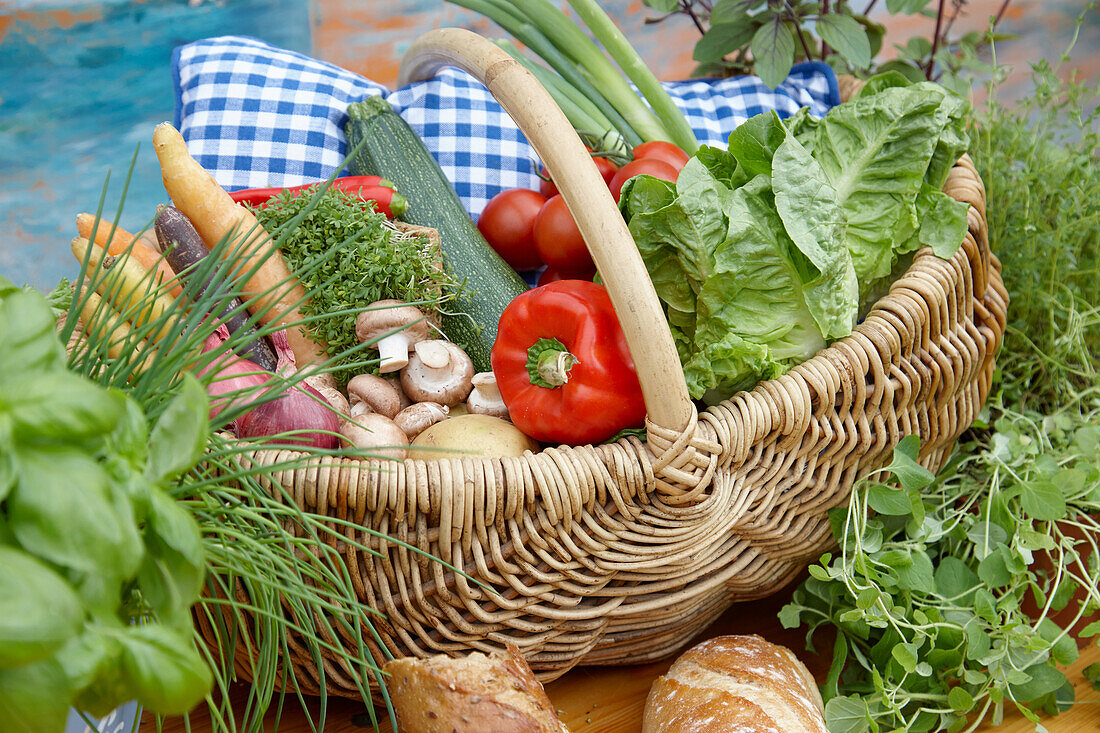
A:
369	188
563	367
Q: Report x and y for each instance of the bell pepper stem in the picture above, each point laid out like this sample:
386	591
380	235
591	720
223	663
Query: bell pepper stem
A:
549	362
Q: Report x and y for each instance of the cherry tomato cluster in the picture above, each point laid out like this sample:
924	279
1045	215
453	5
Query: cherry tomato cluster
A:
533	228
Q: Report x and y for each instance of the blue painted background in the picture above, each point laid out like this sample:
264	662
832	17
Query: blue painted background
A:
81	86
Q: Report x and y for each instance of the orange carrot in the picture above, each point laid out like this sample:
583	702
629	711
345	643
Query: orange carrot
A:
119	242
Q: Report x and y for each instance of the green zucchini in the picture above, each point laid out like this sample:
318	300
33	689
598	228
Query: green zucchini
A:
383	144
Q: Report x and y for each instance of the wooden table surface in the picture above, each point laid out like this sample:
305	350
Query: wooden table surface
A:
611	699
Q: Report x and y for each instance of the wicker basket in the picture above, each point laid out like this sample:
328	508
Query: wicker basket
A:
621	553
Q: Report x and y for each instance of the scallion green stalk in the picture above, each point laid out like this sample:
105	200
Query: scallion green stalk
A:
585	116
526	33
616	44
593	64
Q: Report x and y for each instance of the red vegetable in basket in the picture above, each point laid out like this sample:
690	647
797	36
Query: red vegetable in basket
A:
661	150
563	367
508	224
369	188
558	239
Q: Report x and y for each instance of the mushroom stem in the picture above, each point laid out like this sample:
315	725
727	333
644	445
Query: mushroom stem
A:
394	351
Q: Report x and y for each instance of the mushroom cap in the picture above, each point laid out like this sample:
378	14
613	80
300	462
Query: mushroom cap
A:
416	418
447	385
378	434
386	316
377	393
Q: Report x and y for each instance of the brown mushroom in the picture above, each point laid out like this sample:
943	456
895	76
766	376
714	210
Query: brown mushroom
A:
371	393
418	417
485	398
377	434
448	383
396	326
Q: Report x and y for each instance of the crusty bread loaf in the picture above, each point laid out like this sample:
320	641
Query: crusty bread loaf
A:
471	694
735	684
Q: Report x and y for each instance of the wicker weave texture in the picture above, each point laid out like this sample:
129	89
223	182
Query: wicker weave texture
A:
620	553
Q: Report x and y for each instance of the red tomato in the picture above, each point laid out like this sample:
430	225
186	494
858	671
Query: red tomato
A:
559	241
649	166
661	150
551	274
604	165
508	224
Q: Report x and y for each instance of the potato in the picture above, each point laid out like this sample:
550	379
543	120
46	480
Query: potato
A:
471	435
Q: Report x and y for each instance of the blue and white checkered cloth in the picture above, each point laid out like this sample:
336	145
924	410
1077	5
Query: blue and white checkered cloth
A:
255	116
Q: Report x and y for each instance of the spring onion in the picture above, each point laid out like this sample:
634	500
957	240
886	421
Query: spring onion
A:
616	44
593	65
513	21
585	116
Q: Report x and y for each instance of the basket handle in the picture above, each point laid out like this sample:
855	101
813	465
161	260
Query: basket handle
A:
588	199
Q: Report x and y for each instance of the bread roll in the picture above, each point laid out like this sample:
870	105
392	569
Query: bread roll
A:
472	694
735	684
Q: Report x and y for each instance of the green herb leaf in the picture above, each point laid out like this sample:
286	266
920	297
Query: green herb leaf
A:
911	475
847	37
848	714
35	698
960	700
1042	500
772	48
889	500
28	343
955	580
163	668
1043	680
173	572
722	39
60	406
178	439
63	510
27	587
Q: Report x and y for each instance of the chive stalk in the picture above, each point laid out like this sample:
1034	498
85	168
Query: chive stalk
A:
616	44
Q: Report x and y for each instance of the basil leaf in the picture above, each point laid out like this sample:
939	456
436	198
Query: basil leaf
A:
772	48
60	406
28	340
63	511
179	437
163	669
847	37
172	574
663	6
732	11
722	39
27	587
34	698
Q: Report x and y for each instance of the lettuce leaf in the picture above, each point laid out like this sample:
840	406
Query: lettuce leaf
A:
763	253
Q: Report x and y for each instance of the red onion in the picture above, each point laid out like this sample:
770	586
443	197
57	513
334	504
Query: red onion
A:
234	375
301	407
